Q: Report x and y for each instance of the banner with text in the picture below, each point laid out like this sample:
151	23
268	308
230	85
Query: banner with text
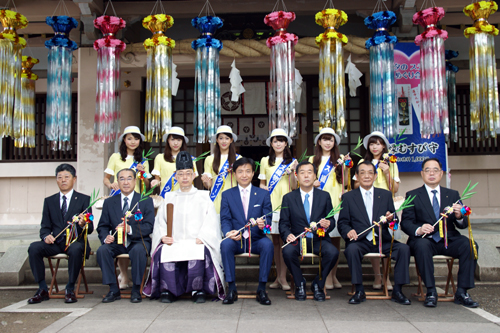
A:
414	149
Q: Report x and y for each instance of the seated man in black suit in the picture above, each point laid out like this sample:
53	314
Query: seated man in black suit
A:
138	244
303	206
430	201
58	209
359	208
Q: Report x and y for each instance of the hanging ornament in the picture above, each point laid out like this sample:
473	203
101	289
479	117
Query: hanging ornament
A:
107	110
484	111
433	96
383	106
207	78
159	77
58	114
10	66
24	110
452	93
235	80
332	101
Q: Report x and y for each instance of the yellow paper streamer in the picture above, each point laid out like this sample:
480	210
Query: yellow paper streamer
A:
441	233
67	237
373	236
472	243
119	232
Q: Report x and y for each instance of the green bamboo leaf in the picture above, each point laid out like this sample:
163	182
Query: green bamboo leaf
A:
473	186
202	156
466	190
406	203
353	152
303	156
334	211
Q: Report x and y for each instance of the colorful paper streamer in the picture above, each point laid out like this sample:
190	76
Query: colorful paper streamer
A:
484	109
58	114
383	105
452	93
24	110
433	95
282	73
107	110
159	77
207	107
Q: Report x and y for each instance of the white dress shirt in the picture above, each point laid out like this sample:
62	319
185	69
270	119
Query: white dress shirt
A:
68	198
303	196
130	197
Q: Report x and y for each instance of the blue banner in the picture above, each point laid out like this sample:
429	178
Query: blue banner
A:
414	149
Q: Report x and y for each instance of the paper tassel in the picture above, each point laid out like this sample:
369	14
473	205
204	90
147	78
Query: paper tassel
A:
433	96
58	115
24	110
484	110
236	86
383	105
452	93
175	80
353	75
207	108
159	77
282	76
332	100
107	110
298	85
10	66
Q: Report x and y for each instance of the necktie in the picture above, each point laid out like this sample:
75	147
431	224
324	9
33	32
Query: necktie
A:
369	211
64	207
435	207
125	206
244	201
307	208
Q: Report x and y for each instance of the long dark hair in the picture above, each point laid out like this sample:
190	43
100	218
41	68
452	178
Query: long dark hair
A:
374	139
138	151
334	156
287	154
167	153
231	157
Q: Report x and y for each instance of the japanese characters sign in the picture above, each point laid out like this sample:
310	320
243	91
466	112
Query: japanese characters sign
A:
412	151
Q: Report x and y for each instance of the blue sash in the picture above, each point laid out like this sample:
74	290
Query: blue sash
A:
323	177
168	186
276	177
133	166
219	181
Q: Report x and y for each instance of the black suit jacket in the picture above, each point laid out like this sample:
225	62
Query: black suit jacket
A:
293	219
112	216
422	212
52	221
354	216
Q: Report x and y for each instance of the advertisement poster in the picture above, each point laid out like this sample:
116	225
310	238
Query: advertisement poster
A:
414	149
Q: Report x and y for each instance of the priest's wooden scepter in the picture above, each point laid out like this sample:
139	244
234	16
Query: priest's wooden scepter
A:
170	219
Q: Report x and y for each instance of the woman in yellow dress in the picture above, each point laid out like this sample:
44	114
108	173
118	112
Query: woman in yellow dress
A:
376	145
329	179
217	175
277	176
164	168
129	157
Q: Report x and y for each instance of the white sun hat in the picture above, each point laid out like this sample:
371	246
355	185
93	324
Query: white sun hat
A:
278	132
327	130
375	133
177	131
131	129
226	130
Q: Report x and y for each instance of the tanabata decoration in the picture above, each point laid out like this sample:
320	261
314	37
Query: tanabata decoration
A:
207	107
58	114
452	93
383	106
282	72
332	100
484	109
107	110
159	76
24	109
434	100
10	66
